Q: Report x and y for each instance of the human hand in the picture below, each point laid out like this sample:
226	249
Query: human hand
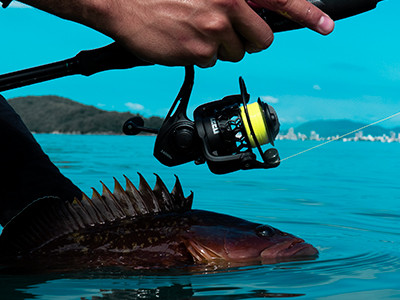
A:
199	32
185	32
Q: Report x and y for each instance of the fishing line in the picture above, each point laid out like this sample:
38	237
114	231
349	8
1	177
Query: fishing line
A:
342	136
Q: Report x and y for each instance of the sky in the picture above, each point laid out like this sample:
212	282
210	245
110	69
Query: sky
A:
354	73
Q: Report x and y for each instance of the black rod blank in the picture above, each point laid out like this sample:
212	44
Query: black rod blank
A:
86	63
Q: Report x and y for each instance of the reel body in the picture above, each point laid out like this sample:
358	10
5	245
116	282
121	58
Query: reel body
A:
222	134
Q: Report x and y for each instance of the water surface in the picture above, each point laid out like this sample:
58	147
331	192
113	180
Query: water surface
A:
344	198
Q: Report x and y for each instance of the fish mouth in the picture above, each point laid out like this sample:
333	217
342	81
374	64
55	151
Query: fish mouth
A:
291	249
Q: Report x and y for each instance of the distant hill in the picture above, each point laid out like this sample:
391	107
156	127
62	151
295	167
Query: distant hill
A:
45	114
328	128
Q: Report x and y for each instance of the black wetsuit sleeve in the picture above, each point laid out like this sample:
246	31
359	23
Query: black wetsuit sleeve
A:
5	3
26	171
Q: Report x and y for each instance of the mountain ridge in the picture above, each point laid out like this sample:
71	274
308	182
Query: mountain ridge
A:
47	114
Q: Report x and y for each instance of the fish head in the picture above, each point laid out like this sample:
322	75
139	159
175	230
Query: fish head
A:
233	239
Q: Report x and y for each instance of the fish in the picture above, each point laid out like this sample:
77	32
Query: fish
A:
139	228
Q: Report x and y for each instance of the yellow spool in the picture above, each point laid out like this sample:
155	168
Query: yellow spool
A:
257	117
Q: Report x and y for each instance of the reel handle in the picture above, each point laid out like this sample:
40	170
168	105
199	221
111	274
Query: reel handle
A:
135	125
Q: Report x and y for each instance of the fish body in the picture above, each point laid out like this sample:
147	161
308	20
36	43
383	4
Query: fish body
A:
139	228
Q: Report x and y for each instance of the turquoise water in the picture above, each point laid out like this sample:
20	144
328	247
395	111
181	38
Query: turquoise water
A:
344	198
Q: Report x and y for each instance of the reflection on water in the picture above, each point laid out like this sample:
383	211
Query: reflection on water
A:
78	286
344	199
178	292
283	280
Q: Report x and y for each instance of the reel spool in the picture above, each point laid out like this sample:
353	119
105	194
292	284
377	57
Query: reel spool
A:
223	132
229	129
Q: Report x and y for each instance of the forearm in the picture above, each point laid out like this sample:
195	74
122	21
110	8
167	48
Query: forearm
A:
91	13
150	29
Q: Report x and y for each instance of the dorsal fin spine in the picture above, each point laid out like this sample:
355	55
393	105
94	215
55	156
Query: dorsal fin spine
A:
104	210
135	197
84	215
177	193
123	197
147	194
75	215
177	190
112	203
91	209
67	218
162	195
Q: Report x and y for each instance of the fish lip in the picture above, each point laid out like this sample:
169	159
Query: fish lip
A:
301	249
292	248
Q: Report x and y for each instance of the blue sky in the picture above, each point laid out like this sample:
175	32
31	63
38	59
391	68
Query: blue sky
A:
354	73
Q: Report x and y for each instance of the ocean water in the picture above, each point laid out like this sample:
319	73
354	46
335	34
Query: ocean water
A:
344	198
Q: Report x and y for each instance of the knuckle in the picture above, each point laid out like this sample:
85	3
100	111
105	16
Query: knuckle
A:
205	53
217	24
311	14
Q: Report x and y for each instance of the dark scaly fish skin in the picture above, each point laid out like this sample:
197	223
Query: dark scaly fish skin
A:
155	234
169	240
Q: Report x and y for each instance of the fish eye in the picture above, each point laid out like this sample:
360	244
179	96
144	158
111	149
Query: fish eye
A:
265	230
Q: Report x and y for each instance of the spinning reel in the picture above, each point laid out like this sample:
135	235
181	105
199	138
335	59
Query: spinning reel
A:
222	134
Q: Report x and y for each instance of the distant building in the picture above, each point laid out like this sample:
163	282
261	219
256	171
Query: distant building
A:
314	136
358	136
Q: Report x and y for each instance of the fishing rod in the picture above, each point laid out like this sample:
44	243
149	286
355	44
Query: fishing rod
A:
223	132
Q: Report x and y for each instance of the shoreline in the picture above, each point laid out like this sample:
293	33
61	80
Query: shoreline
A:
90	133
299	137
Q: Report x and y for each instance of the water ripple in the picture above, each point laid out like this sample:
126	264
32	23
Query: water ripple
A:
345	205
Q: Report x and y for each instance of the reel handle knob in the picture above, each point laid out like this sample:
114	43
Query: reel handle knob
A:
134	126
